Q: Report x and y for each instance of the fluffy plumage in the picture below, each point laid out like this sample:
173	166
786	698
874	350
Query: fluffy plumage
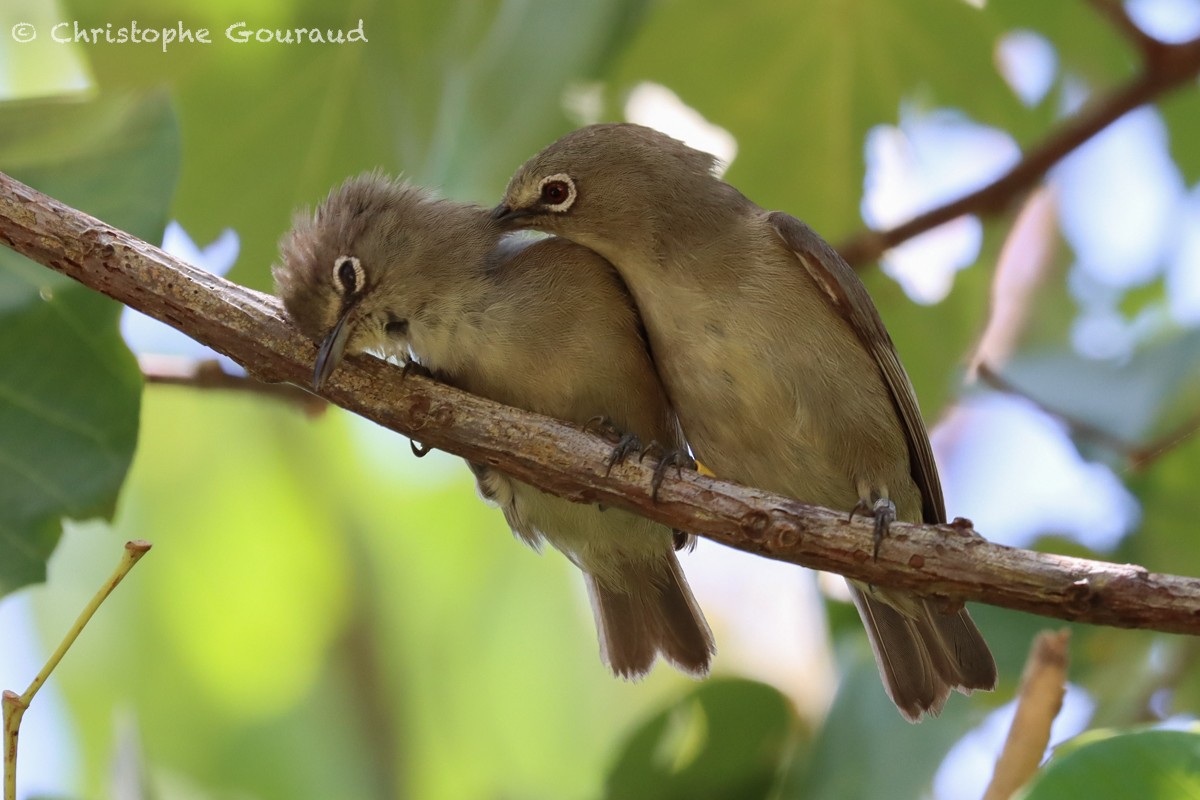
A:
544	325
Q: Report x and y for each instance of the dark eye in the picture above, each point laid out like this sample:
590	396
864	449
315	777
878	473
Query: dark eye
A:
348	274
557	192
397	328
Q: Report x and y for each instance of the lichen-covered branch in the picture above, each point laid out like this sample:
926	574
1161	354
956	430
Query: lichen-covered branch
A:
951	562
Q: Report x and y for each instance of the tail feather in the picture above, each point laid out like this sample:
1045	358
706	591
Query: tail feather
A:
923	654
652	612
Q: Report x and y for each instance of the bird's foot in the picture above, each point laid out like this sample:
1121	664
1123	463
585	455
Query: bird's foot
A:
413	367
884	512
678	458
627	443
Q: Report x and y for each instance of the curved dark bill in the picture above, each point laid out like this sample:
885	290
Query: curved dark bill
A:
331	352
503	213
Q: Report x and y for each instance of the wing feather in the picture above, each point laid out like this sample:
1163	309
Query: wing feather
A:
842	287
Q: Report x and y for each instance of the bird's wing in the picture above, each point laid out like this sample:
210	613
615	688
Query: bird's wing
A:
841	286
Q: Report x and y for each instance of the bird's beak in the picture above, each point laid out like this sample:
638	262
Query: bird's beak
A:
505	213
332	350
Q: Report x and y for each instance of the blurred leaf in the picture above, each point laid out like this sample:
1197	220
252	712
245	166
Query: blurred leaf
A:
1166	539
1125	399
866	749
1149	765
725	739
1181	111
69	388
327	616
37	66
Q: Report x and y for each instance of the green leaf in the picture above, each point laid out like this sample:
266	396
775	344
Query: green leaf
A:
866	749
1148	765
723	740
69	388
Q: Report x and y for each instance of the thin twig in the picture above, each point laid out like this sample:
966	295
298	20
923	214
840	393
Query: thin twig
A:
1138	457
208	374
1144	455
1165	67
1119	18
949	562
15	705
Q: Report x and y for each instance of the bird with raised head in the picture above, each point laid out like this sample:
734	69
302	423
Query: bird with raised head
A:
774	357
544	325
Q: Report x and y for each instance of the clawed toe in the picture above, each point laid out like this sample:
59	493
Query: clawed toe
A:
678	458
412	367
628	443
884	512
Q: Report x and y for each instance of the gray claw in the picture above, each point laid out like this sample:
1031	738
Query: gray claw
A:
628	443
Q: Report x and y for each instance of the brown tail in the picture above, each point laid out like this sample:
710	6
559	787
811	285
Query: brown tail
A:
654	612
923	654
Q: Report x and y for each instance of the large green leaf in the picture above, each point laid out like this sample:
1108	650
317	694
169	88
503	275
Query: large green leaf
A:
69	388
1148	765
723	740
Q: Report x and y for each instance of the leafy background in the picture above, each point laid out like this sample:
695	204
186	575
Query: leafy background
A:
323	616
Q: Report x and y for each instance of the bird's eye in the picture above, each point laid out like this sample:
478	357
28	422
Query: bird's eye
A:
348	274
396	328
557	192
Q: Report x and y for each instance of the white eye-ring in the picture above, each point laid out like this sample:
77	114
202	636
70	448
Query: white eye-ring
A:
557	192
348	274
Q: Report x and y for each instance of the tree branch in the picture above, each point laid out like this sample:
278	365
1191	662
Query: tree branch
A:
950	562
208	374
1165	67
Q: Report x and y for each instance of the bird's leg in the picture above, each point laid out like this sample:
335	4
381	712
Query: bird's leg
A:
885	513
678	457
415	368
625	443
882	509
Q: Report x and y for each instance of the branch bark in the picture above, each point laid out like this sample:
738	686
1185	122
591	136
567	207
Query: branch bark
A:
1164	67
950	562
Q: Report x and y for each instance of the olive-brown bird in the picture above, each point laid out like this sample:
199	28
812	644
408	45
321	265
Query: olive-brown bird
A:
384	266
773	356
